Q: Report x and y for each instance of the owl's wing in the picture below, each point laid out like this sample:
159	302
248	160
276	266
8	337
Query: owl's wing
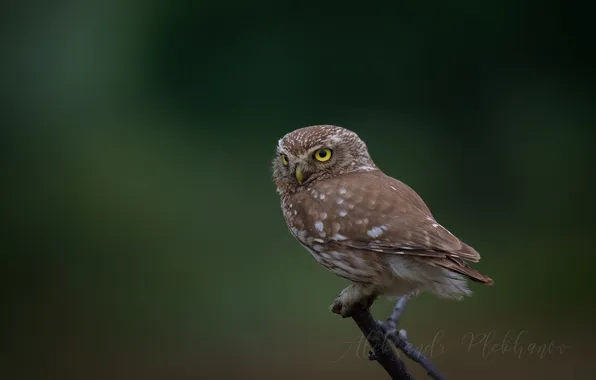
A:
381	214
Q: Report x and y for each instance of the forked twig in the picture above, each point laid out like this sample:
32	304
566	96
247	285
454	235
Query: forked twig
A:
379	333
381	349
400	339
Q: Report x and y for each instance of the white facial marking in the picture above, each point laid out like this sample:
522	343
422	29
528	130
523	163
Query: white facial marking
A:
374	232
342	190
343	213
319	225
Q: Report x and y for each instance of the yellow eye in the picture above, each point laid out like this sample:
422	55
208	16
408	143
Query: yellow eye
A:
284	159
323	155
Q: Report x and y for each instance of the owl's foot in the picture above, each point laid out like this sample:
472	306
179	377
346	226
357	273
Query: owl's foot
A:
352	297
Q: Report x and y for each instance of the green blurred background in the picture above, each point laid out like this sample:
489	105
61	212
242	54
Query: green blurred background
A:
142	232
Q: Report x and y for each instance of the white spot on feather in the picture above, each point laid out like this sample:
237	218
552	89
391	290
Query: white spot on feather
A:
322	196
323	215
364	168
345	269
338	237
339	201
343	213
342	190
337	255
319	225
435	225
374	232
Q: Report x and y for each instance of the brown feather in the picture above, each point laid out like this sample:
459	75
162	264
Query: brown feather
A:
468	253
458	266
411	228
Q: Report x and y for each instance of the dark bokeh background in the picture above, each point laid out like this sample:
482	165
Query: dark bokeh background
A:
142	232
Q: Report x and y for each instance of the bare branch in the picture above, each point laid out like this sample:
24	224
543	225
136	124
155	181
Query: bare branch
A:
400	339
382	350
377	334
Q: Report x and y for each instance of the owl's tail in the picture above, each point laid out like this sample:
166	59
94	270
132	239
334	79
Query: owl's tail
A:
459	266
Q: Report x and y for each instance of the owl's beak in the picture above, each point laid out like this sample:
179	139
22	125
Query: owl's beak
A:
299	174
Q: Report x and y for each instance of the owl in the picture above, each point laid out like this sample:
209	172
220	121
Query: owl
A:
364	225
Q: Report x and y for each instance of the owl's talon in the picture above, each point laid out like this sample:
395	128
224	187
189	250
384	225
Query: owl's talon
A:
352	297
339	308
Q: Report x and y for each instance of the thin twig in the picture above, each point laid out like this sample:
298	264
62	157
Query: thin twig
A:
400	340
377	334
383	352
398	310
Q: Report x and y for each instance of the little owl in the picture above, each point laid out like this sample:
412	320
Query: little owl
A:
363	225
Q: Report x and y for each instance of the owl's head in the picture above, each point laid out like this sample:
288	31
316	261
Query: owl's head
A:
317	152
